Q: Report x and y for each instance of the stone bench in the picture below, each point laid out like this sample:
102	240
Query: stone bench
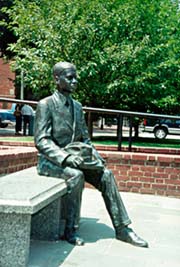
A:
29	208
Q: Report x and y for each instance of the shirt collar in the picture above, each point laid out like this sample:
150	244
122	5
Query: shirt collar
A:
63	98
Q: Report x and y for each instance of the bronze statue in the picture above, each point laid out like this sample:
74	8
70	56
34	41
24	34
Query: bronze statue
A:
60	129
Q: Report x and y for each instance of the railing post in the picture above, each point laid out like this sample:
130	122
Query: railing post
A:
119	130
90	127
130	132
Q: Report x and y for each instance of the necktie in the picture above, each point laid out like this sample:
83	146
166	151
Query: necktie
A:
68	106
67	103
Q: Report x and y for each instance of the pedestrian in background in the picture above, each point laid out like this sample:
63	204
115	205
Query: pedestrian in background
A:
18	115
28	119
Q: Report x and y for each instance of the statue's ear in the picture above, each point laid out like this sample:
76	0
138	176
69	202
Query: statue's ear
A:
56	78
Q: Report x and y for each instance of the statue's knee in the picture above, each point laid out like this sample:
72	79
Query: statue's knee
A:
107	175
79	176
106	180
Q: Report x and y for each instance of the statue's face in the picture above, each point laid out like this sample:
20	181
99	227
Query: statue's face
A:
67	81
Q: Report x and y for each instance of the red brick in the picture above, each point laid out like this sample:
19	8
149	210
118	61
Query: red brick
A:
148	168
139	157
173	171
148	174
147	191
174	176
177	159
134	184
173	182
161	192
160	169
178	187
134	178
111	166
121	184
138	162
135	173
7	88
172	187
152	158
165	159
147	179
160	175
124	173
123	167
127	156
159	186
161	181
173	193
147	185
122	178
135	168
134	190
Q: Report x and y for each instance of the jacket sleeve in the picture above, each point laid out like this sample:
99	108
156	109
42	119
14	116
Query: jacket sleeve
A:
43	135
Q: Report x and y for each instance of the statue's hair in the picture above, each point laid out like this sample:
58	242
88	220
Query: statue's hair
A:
61	66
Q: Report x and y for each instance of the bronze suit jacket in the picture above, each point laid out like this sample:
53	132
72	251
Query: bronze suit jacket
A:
55	127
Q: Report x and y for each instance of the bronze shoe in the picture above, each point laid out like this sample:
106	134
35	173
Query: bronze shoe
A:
126	234
73	238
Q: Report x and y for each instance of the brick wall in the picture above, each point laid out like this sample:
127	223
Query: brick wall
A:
7	77
156	174
145	173
14	159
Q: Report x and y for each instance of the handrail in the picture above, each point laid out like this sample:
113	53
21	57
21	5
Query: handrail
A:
129	113
18	101
119	113
100	110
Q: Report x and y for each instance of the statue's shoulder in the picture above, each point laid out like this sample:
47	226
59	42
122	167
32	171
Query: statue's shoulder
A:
45	101
77	104
49	99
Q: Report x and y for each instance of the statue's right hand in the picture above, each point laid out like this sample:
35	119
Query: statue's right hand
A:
73	161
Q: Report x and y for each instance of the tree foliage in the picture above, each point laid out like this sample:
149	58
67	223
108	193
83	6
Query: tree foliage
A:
127	52
6	35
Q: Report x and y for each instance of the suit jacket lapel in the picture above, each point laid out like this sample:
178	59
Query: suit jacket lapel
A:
74	119
59	104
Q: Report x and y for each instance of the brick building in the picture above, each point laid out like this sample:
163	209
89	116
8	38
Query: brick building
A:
7	77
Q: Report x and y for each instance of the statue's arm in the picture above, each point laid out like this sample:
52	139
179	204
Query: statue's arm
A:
42	135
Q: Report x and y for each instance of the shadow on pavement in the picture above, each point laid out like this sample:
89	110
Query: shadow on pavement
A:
92	231
54	253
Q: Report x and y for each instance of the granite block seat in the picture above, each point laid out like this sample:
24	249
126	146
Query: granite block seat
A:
29	208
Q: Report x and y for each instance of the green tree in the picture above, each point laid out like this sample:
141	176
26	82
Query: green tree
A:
127	52
6	36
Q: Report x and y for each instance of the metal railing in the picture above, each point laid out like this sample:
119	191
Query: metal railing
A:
120	114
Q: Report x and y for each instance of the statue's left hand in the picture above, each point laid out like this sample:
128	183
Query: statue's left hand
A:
73	161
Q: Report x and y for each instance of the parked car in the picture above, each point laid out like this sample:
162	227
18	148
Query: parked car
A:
162	127
7	116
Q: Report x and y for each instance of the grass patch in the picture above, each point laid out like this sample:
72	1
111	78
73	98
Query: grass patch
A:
140	142
17	138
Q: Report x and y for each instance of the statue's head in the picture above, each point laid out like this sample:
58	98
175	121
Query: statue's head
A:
61	66
65	77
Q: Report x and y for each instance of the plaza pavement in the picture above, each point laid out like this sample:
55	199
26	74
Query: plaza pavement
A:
155	218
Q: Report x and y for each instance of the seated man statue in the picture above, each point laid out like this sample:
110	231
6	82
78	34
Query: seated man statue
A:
65	151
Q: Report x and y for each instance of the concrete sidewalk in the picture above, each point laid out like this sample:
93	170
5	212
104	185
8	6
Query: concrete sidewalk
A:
156	219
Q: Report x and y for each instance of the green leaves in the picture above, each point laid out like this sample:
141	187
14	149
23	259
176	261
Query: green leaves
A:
127	52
